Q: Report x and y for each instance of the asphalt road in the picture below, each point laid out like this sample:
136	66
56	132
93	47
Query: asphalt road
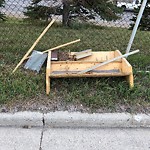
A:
74	139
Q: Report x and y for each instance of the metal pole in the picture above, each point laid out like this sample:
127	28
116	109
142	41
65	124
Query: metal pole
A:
107	62
136	26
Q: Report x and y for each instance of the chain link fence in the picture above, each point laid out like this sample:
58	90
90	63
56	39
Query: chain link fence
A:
98	32
101	25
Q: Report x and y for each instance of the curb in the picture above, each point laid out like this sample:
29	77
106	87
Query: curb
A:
21	119
111	120
74	120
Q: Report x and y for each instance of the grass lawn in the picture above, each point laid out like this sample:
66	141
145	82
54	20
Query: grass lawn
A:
25	90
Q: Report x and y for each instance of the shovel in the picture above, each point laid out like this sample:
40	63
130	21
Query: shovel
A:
37	58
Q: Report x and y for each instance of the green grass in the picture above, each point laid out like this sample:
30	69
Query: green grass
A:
107	94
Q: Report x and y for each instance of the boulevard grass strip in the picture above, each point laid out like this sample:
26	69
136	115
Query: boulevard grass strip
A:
94	93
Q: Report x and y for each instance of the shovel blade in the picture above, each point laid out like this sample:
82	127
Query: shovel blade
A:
36	61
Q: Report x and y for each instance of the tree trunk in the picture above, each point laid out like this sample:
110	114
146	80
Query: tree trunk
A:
65	15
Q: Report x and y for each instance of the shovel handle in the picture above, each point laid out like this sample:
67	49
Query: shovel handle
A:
35	43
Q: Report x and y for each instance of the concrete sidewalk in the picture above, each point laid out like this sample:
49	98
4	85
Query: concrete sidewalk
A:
19	138
96	139
74	139
74	131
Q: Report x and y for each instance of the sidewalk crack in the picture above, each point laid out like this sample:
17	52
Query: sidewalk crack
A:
41	140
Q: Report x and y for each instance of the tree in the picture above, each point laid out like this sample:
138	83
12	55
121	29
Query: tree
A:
2	16
90	9
36	11
145	21
69	9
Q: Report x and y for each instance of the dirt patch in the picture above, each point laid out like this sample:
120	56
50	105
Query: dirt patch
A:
44	104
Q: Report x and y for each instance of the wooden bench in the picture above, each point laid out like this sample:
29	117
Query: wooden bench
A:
70	69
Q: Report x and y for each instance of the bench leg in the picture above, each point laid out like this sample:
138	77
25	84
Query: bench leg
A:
48	71
47	84
130	79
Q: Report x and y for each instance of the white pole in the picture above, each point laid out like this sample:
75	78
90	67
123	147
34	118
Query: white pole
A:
136	26
107	62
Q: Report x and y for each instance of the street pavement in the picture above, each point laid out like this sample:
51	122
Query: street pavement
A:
74	138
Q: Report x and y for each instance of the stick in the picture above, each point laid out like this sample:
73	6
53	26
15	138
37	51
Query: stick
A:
60	46
107	62
63	45
35	43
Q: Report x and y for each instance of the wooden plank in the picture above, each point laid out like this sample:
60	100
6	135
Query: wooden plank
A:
79	62
78	66
35	43
83	54
48	72
126	67
100	56
117	53
93	71
88	75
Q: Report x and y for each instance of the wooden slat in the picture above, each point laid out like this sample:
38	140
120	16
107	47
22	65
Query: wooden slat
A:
78	62
78	66
83	54
126	67
93	71
116	54
100	56
87	75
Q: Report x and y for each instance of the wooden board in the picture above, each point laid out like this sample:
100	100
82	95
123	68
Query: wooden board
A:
83	54
100	56
79	65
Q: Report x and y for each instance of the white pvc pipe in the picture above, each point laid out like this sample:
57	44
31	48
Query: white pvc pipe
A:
107	62
136	26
